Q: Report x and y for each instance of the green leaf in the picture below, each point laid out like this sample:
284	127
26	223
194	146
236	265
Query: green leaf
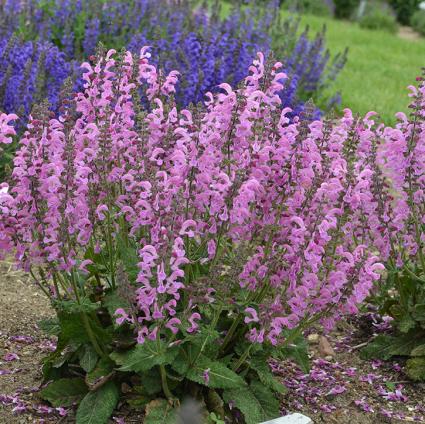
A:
159	411
112	302
418	351
256	402
72	329
415	368
97	407
260	366
64	392
220	377
88	358
298	351
384	346
103	368
129	258
406	323
266	398
379	348
390	386
418	312
151	382
84	305
145	356
203	342
214	403
63	354
50	326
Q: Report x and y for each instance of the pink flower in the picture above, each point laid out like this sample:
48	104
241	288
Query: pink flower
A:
6	130
173	324
83	265
142	334
206	376
9	357
122	316
187	228
251	315
193	324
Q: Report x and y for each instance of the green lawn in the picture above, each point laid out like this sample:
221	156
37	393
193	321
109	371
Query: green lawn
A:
380	65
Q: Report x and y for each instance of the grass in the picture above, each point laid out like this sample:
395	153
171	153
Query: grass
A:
380	65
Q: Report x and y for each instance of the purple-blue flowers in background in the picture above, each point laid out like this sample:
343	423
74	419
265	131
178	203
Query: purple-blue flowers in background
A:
43	41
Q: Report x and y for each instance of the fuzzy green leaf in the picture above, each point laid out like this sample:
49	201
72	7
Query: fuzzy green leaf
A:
71	328
256	402
97	407
415	368
266	398
418	351
260	366
50	326
129	258
89	358
384	347
151	382
64	392
406	323
298	351
220	377
112	301
159	411
84	305
145	356
103	368
418	312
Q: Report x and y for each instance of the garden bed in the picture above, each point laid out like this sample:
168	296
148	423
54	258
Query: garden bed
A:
21	306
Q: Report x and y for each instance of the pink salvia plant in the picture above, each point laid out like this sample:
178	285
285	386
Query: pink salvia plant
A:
236	214
282	197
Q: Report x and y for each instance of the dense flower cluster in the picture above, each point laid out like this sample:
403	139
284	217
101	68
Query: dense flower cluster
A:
267	208
205	49
29	72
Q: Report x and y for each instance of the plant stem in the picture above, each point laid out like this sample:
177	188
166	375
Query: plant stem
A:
164	383
92	336
242	358
231	331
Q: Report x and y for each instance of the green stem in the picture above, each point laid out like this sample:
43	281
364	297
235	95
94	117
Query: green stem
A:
412	274
242	358
40	285
92	336
231	331
164	383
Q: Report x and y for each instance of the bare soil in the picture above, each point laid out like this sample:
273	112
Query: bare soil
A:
22	305
408	33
